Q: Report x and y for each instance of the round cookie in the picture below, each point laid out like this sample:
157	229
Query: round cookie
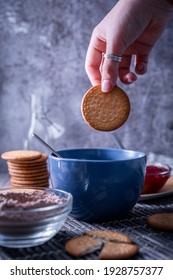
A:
105	111
22	177
162	221
81	245
29	173
117	251
18	155
109	235
30	181
37	183
35	161
113	245
27	168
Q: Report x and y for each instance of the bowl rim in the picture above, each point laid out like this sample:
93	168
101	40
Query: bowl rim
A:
65	204
138	154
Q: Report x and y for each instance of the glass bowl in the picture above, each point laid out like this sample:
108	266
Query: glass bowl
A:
31	216
155	178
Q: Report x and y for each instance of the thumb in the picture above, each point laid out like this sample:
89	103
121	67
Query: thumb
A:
114	46
109	72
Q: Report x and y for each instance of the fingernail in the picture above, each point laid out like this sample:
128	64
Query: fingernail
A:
106	86
128	80
141	66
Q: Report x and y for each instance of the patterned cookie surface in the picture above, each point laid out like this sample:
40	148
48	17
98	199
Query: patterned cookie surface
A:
82	245
105	111
162	221
30	161
109	235
112	245
21	155
117	251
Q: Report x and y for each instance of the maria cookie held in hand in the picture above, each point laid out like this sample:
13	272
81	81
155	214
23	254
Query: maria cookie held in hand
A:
105	111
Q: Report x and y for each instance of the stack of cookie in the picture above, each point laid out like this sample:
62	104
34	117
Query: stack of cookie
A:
27	168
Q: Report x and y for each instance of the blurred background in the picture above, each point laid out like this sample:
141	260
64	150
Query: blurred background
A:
43	45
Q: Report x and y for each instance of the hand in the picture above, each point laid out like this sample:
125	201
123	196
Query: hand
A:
132	27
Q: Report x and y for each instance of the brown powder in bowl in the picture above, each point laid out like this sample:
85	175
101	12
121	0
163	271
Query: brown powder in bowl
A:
18	207
11	200
30	216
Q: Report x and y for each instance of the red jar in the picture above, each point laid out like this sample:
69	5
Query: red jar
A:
155	177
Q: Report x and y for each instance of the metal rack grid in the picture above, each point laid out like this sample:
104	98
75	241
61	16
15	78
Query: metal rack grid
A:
153	244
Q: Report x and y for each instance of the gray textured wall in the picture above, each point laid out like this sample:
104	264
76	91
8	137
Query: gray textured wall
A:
43	45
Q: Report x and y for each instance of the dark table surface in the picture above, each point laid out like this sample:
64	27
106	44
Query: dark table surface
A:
153	244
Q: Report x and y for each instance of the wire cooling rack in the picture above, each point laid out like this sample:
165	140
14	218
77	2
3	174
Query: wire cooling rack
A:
153	244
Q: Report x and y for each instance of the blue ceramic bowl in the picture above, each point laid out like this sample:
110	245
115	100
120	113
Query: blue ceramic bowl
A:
105	183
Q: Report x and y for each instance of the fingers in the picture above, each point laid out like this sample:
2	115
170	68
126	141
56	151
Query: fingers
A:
125	75
93	59
109	74
141	63
111	70
124	31
105	71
